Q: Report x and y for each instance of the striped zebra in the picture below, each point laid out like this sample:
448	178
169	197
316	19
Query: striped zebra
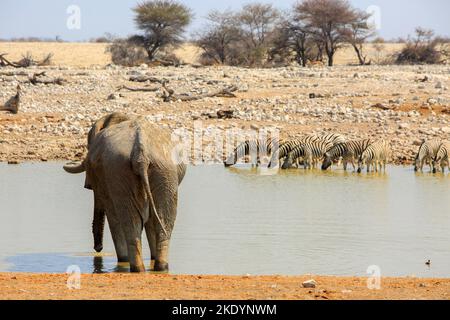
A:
427	152
311	152
287	147
441	158
375	156
255	149
349	152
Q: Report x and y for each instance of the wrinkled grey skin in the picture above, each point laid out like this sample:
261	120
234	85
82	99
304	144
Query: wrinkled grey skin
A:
135	180
99	215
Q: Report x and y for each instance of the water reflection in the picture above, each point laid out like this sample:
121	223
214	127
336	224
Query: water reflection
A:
241	221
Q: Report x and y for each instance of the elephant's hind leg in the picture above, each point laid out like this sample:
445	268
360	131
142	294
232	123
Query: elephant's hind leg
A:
151	237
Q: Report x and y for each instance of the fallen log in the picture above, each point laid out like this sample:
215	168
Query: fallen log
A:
169	94
145	89
14	74
143	78
35	79
382	106
6	63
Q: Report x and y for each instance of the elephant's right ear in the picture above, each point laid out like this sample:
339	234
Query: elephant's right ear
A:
75	169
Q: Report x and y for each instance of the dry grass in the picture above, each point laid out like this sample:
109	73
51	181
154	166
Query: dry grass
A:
91	54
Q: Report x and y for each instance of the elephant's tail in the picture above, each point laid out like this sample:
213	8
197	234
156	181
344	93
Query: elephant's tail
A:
144	177
141	165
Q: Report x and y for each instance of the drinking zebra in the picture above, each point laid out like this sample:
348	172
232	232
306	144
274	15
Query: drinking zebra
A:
427	152
375	156
349	152
441	158
287	147
256	149
311	152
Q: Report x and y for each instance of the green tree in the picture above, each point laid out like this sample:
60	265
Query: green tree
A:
163	23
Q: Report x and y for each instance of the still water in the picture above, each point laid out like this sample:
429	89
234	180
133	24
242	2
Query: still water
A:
238	221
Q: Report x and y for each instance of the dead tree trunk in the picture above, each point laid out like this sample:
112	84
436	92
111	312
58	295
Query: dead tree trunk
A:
6	63
35	79
169	94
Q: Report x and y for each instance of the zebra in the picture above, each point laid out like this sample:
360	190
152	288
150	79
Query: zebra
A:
287	147
310	151
427	152
348	151
376	156
441	158
255	147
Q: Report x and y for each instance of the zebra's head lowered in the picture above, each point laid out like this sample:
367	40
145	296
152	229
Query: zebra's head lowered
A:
287	164
327	161
362	162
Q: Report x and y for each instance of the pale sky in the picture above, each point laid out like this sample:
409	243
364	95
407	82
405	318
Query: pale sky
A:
48	18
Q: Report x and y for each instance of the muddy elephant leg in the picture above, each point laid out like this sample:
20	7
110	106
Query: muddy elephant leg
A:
135	252
162	254
151	237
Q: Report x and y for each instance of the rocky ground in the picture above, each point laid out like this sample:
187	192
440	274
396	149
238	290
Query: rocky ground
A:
404	104
171	287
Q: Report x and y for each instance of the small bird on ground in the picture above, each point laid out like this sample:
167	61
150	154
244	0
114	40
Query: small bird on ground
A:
428	263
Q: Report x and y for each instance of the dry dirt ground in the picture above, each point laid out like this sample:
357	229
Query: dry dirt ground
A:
404	104
53	121
171	287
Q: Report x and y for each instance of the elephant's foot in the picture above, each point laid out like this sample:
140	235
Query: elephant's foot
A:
137	269
161	266
123	259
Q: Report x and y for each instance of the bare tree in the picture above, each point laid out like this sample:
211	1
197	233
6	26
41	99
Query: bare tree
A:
163	23
257	22
218	36
328	20
358	33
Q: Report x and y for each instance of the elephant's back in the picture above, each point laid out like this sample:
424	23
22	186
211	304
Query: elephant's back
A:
116	143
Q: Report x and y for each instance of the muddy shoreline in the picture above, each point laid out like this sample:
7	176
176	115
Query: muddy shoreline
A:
190	287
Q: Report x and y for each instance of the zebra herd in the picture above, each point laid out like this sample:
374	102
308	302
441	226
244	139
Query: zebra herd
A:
332	148
435	154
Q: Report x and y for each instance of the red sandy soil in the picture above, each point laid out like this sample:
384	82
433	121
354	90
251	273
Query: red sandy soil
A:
174	287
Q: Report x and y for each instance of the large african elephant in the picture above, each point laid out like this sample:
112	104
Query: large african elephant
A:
131	167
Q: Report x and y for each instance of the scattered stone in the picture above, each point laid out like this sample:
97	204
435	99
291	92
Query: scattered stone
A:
309	284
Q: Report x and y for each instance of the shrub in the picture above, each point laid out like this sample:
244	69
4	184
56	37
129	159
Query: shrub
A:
127	53
420	50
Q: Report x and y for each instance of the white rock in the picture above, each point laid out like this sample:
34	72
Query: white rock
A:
309	284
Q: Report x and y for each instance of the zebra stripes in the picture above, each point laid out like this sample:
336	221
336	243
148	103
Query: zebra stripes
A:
441	159
427	152
310	151
255	149
288	146
375	156
349	152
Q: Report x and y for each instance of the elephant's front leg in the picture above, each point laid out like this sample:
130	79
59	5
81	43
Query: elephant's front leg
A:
120	242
